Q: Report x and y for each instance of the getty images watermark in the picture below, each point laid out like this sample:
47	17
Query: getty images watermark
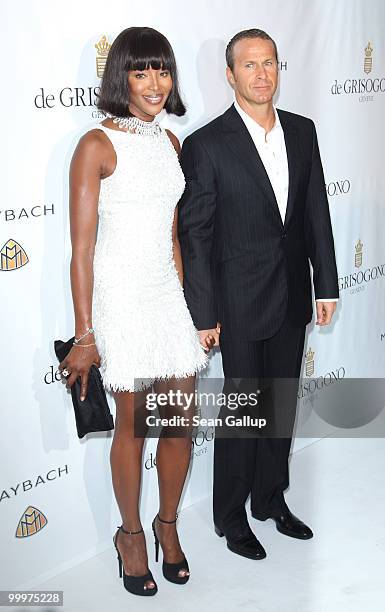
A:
185	404
265	407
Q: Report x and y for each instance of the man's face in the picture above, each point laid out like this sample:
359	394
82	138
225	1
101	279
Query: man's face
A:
254	77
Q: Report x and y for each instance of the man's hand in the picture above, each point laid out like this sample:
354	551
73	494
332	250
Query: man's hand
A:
209	337
325	311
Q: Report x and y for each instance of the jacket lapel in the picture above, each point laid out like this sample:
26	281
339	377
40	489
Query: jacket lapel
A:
293	161
240	142
242	145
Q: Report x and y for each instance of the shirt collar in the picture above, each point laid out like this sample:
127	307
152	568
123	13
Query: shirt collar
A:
253	125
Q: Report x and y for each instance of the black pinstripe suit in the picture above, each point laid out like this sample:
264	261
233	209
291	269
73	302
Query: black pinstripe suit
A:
247	269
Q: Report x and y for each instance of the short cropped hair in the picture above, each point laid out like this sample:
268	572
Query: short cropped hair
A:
137	48
252	33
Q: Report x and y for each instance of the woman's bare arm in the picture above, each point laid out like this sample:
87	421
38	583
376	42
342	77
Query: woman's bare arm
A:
86	170
85	175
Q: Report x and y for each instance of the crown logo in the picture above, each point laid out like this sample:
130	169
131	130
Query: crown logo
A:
32	521
309	362
12	256
102	47
368	62
358	254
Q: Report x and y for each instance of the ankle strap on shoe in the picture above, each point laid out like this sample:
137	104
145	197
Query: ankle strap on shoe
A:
168	522
129	532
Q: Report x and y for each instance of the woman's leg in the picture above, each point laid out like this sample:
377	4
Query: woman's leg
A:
126	469
172	462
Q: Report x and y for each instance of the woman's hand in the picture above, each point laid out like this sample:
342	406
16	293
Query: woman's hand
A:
78	363
209	337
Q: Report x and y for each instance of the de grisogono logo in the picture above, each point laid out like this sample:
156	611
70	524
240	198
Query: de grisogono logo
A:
309	362
357	280
364	87
338	188
368	61
75	97
12	256
200	440
102	48
308	389
358	254
199	445
32	521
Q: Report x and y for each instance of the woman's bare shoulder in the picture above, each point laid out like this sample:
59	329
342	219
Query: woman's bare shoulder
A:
95	138
93	145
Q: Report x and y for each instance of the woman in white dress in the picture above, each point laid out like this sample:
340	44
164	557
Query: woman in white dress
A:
131	318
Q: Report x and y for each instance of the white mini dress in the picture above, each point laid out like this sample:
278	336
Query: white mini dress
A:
143	328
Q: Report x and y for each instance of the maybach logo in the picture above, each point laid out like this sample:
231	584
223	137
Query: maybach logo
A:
12	256
32	521
21	214
27	485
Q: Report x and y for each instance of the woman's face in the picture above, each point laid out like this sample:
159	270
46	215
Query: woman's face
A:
148	90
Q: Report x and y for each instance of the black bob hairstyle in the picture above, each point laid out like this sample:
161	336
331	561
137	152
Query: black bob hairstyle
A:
137	48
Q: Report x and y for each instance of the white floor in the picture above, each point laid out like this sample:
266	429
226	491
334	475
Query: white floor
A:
337	487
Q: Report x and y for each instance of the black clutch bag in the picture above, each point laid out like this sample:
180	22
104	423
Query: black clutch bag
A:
93	413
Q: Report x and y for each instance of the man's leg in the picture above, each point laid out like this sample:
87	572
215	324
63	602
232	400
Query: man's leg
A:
282	356
235	458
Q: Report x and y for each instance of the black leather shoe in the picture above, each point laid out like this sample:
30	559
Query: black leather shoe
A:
290	525
243	543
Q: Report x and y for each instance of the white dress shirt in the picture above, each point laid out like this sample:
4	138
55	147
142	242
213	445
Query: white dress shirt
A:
272	151
271	148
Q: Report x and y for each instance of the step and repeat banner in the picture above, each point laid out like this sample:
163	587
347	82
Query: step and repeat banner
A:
56	500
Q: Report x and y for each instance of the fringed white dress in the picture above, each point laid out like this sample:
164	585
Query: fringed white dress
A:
143	328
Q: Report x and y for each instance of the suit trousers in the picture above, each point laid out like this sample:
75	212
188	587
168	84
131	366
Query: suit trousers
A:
257	465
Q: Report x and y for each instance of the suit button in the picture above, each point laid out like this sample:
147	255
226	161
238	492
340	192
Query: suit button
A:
283	236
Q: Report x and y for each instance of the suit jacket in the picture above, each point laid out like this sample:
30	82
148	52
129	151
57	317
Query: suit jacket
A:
242	265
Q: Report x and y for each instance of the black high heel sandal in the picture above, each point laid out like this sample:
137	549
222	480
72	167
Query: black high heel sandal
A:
170	570
134	584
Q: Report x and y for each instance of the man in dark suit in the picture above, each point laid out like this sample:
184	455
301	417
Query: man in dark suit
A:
253	214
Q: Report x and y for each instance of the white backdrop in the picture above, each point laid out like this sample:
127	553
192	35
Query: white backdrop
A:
49	73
